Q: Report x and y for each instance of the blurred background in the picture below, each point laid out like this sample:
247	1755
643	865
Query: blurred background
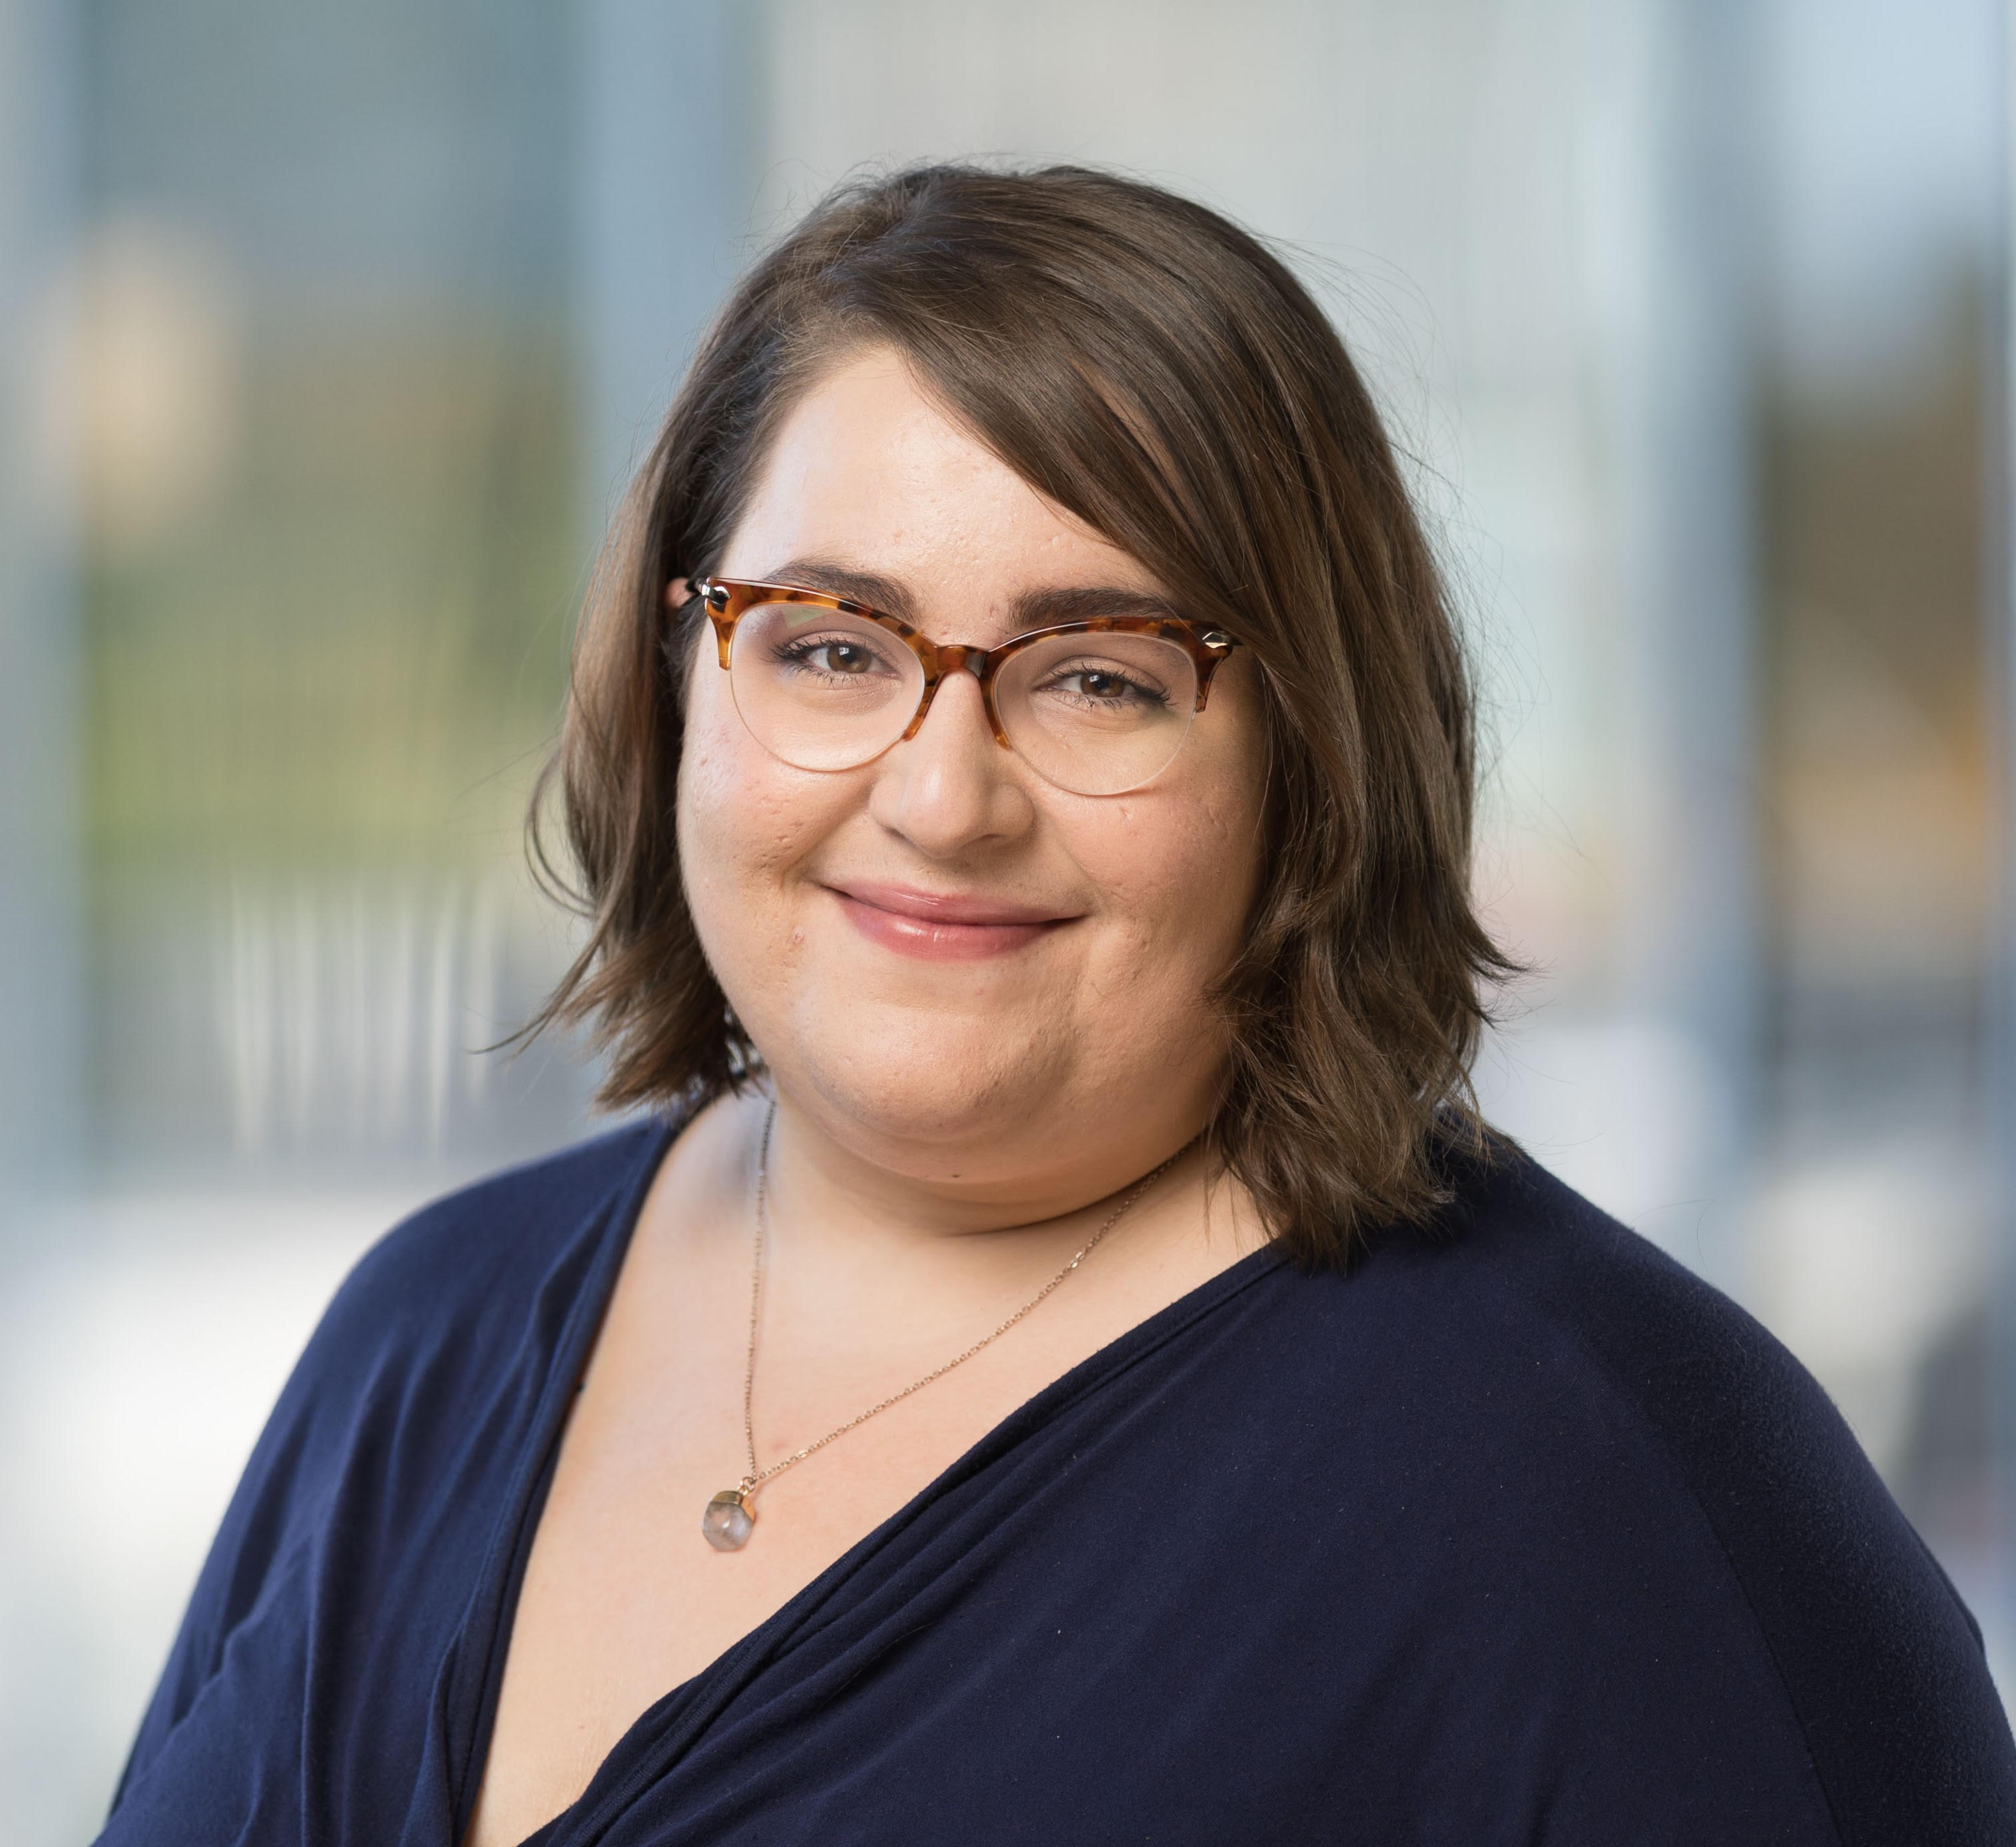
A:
330	328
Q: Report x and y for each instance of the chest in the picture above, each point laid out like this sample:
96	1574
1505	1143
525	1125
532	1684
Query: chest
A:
623	1599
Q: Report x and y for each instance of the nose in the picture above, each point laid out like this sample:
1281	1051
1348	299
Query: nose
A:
951	787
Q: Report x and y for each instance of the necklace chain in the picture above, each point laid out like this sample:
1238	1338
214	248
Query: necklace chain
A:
756	1476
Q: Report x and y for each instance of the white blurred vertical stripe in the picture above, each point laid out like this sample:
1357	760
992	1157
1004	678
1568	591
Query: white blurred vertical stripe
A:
359	1010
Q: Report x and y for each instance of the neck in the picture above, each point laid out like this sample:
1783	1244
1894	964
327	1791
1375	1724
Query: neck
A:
854	1222
931	1194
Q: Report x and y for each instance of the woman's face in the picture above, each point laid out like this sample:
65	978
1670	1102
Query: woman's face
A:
961	972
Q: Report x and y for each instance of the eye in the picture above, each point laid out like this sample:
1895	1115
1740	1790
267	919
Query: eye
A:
841	657
1103	683
1100	682
833	656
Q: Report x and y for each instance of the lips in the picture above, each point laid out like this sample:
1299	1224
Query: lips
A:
945	927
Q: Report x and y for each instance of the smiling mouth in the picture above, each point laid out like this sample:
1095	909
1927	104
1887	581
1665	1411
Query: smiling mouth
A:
935	926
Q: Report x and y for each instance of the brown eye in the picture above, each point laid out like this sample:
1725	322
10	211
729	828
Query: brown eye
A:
845	657
1104	685
830	657
1095	685
822	689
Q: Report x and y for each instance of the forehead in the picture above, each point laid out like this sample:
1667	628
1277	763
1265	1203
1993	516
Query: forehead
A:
869	473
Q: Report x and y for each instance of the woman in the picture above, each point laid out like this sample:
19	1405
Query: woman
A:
1061	1361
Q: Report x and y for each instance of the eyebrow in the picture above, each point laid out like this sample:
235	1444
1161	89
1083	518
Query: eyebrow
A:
879	592
1045	609
1033	609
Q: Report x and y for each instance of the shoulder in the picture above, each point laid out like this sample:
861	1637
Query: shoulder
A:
487	1244
447	1297
453	1289
1548	1301
445	1328
1755	1438
1519	1249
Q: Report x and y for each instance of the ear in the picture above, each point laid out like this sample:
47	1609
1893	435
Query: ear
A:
678	593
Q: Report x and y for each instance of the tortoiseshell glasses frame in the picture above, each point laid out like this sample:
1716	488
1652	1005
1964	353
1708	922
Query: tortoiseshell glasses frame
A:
727	600
1102	718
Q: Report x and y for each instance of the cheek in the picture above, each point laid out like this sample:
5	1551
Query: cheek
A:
1179	878
745	822
711	787
1181	870
1182	861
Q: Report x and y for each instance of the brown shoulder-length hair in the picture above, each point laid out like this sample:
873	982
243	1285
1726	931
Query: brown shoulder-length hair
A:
1157	372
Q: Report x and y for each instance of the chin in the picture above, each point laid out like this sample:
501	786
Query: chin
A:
937	1081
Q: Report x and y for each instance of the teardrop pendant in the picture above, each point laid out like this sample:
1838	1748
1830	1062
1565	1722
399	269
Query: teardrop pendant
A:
728	1522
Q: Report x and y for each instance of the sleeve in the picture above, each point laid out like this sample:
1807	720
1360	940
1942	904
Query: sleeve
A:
1880	1659
276	1508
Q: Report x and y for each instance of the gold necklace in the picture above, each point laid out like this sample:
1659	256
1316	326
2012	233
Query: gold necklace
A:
729	1519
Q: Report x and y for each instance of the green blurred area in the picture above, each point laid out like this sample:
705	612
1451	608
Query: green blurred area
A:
347	648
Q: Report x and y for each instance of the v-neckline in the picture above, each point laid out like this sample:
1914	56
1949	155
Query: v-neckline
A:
500	1580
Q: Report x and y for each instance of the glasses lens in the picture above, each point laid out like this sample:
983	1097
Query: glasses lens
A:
821	689
1098	714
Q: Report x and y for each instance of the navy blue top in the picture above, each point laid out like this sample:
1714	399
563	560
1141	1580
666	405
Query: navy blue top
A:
1517	1534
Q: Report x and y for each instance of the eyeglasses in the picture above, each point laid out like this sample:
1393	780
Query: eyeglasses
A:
1097	707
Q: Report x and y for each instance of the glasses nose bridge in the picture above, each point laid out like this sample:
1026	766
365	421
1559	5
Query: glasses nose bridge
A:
943	661
952	655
